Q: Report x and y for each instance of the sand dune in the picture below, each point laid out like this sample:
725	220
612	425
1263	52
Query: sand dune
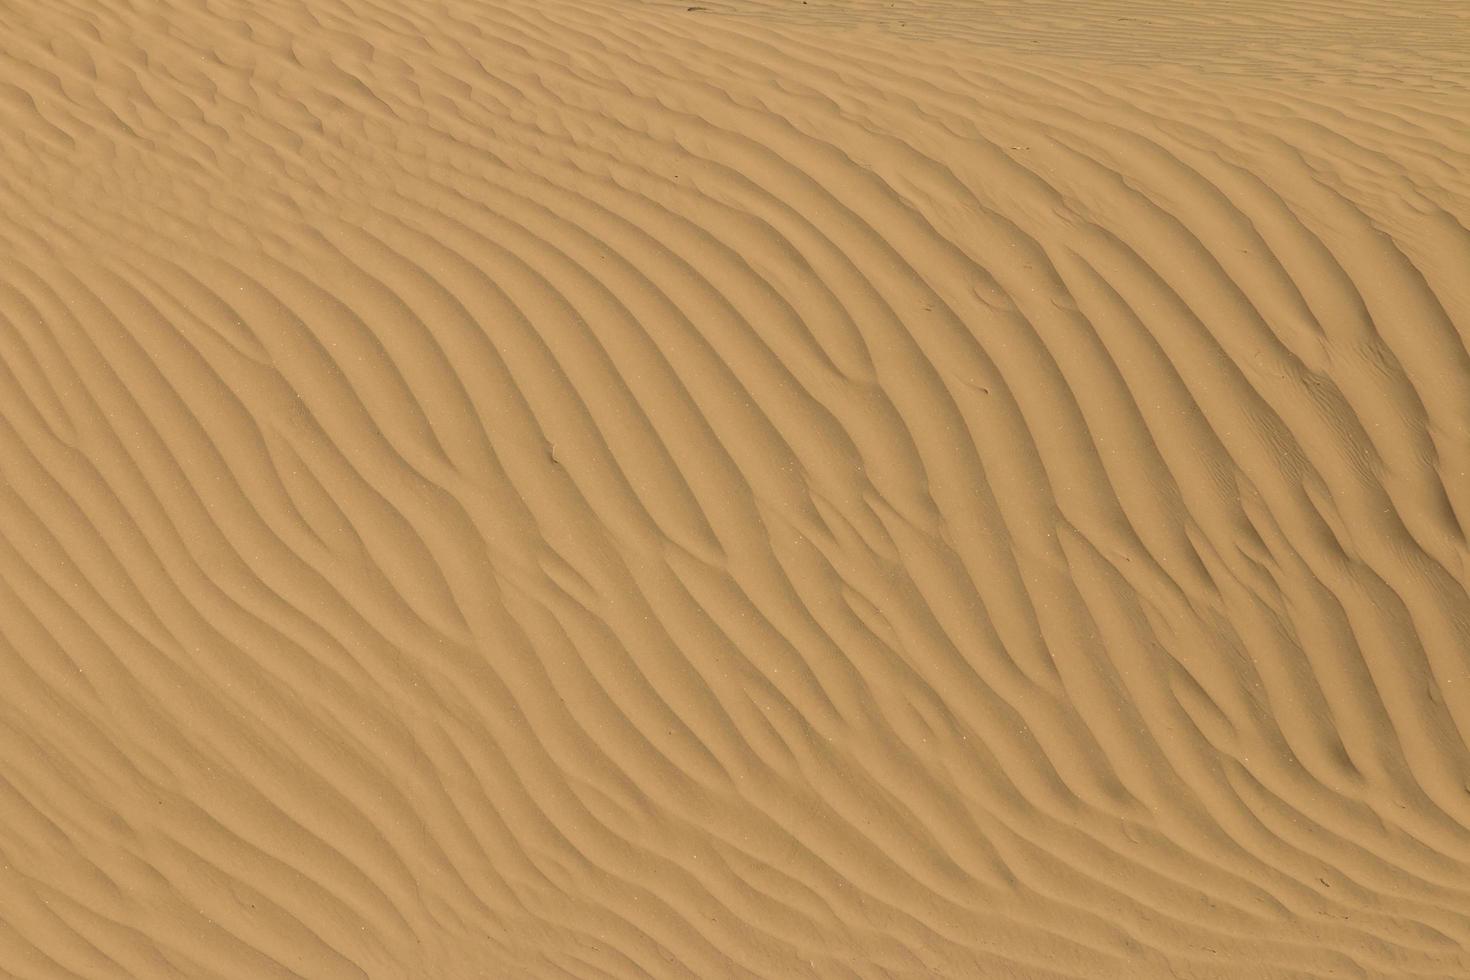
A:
832	489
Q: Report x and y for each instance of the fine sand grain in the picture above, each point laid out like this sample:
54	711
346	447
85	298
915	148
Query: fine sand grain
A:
749	489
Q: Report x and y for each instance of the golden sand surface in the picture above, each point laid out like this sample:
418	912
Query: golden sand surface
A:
780	489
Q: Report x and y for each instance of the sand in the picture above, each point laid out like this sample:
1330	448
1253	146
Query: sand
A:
748	489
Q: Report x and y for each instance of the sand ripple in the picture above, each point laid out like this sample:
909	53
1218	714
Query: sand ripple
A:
611	490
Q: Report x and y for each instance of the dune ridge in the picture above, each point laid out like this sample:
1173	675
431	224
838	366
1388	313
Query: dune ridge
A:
617	490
